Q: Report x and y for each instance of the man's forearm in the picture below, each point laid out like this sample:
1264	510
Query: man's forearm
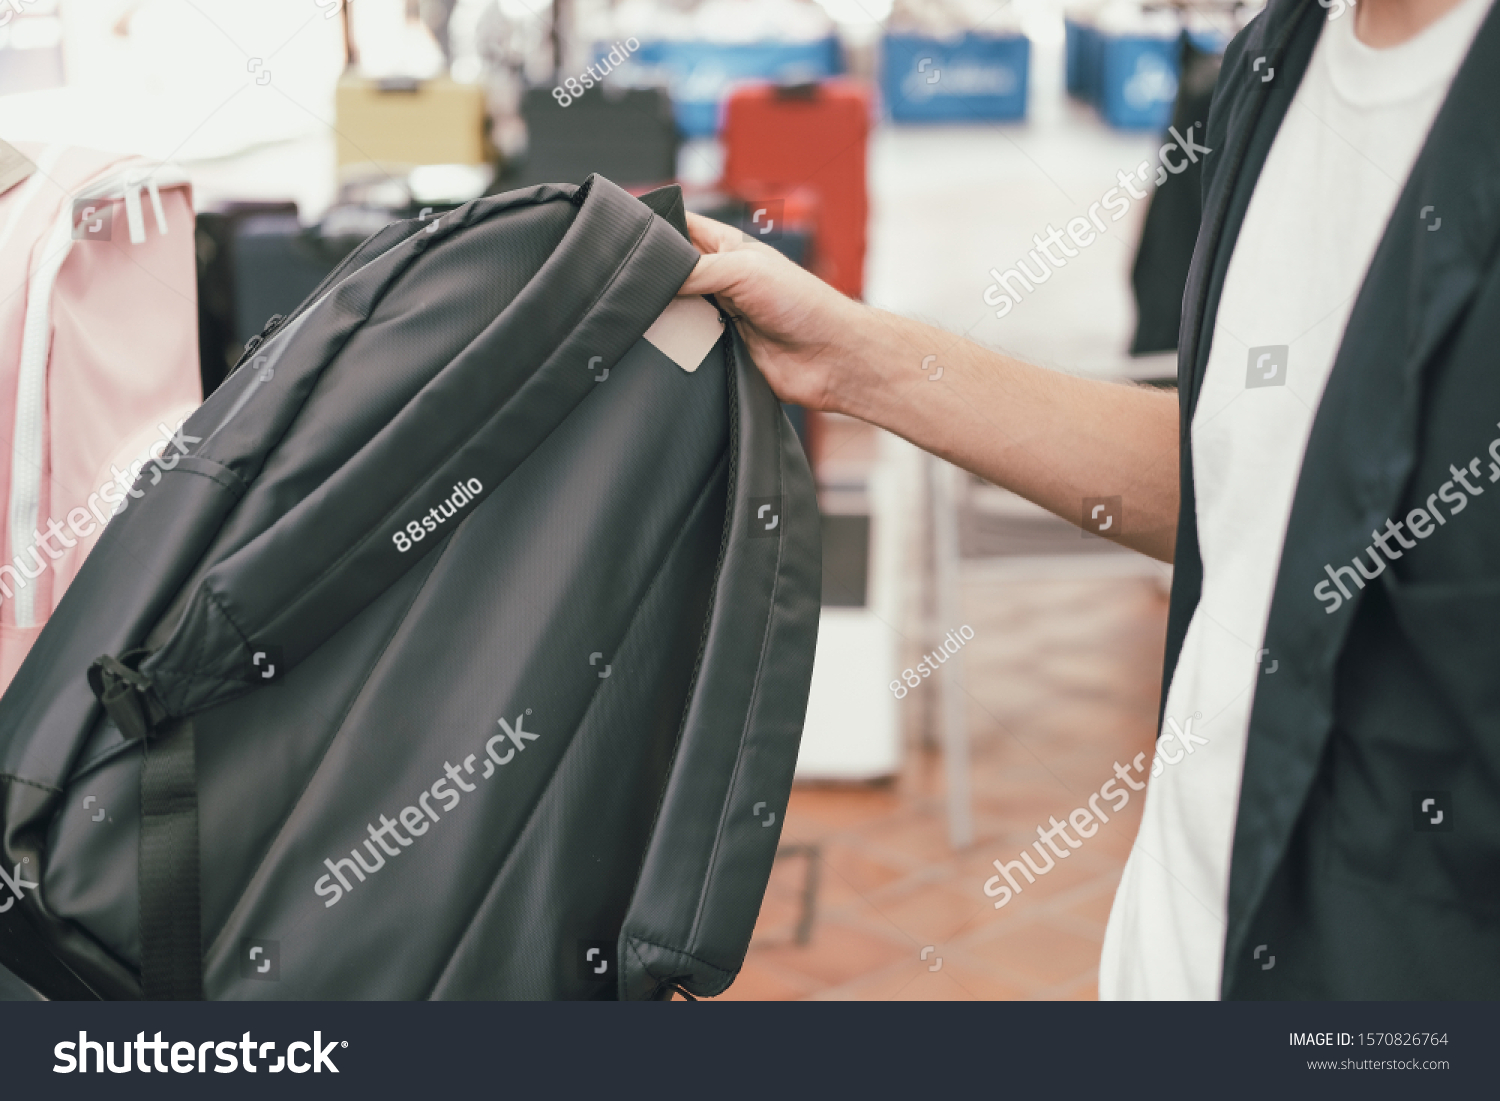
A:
1052	438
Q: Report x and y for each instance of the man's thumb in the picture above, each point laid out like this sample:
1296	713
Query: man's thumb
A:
715	273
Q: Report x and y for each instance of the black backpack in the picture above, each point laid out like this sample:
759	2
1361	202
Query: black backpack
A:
458	648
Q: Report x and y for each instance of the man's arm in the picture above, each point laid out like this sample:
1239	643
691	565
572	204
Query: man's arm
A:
1052	438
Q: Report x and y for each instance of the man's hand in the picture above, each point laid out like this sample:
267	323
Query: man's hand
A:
796	326
1052	438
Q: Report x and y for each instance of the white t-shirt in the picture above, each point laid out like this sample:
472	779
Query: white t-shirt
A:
1328	187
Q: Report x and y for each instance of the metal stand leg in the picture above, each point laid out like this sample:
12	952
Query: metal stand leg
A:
814	854
950	673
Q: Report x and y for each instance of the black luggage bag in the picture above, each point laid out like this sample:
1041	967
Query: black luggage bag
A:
627	134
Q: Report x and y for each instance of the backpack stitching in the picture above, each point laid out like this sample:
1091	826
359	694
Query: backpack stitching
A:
634	942
29	783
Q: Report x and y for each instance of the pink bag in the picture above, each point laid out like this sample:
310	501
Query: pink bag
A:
98	362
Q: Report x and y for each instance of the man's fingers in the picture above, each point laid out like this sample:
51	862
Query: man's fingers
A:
714	273
702	280
711	236
715	270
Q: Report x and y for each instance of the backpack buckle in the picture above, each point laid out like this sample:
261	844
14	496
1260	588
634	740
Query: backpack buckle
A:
126	693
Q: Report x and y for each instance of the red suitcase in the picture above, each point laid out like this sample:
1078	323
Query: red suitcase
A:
780	139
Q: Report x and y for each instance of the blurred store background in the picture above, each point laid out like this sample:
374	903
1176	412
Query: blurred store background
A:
982	664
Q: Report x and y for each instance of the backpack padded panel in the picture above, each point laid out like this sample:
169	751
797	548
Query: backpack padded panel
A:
538	729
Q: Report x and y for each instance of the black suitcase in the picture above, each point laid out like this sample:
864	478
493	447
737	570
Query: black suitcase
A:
257	261
219	342
627	135
278	263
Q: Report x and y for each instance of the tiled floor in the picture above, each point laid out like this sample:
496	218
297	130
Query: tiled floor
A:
1062	677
